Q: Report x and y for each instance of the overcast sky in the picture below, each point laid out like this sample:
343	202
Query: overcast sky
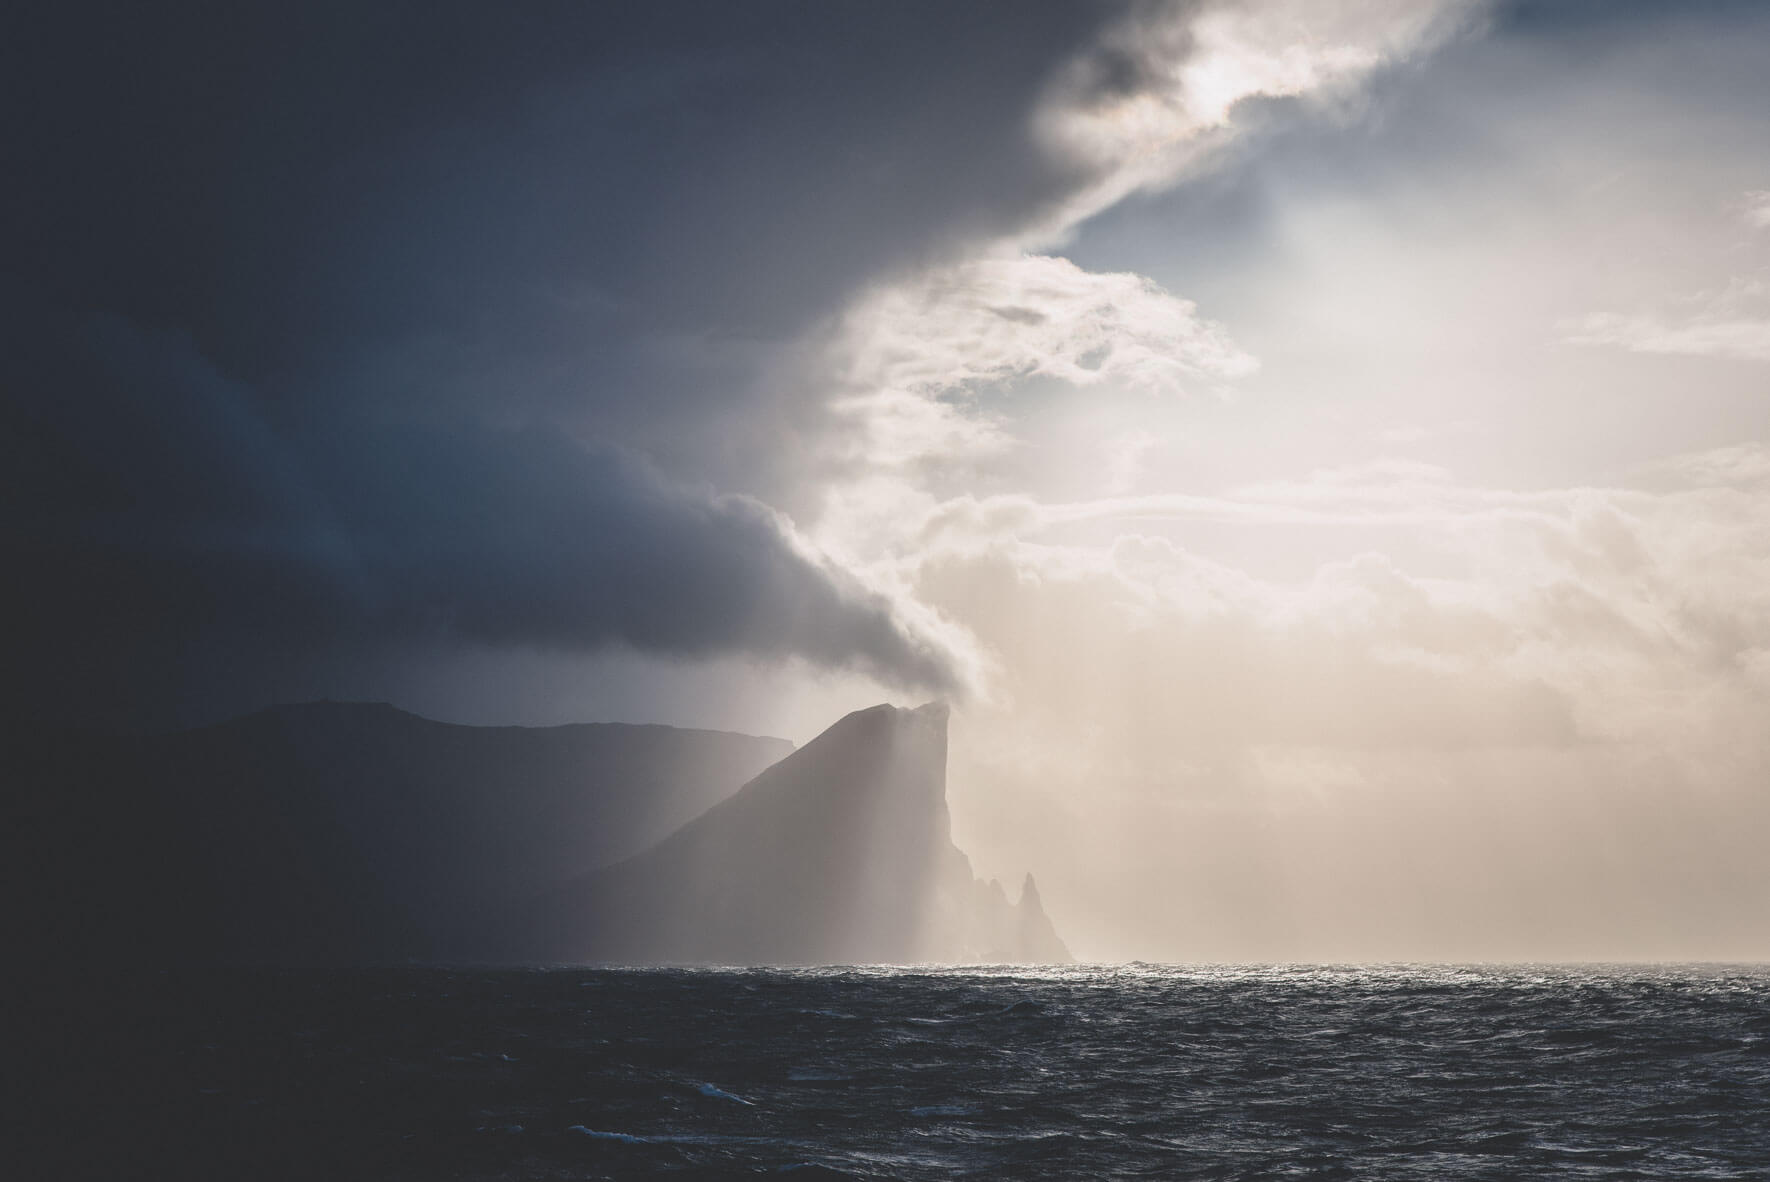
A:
1322	449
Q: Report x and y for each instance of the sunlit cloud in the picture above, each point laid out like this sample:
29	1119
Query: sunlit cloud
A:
1005	317
1135	112
1152	102
891	427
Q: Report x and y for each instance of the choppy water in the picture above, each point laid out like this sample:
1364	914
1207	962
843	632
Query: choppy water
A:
1404	1072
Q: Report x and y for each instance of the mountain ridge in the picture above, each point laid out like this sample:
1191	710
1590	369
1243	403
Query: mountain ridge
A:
365	707
840	853
332	832
325	832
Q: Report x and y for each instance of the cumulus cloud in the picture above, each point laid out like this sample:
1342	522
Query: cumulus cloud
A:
1003	317
911	355
1000	318
893	428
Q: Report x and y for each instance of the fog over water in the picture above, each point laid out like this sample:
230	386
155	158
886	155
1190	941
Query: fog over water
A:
1320	451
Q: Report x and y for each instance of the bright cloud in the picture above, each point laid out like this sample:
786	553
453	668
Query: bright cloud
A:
1154	99
1003	317
1134	112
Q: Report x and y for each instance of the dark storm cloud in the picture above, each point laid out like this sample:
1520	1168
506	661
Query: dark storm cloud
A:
293	179
186	520
329	327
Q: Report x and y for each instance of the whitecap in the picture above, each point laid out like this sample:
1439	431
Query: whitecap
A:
708	1089
624	1138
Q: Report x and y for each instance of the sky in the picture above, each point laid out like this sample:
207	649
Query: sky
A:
1321	448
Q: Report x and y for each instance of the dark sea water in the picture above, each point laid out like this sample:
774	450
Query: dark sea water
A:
1134	1072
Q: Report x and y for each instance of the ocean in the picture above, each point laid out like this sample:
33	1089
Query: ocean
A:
1137	1071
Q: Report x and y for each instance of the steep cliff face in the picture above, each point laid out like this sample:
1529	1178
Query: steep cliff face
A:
331	832
841	853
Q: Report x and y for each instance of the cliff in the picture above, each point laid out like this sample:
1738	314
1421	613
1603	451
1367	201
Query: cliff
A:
841	853
358	833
